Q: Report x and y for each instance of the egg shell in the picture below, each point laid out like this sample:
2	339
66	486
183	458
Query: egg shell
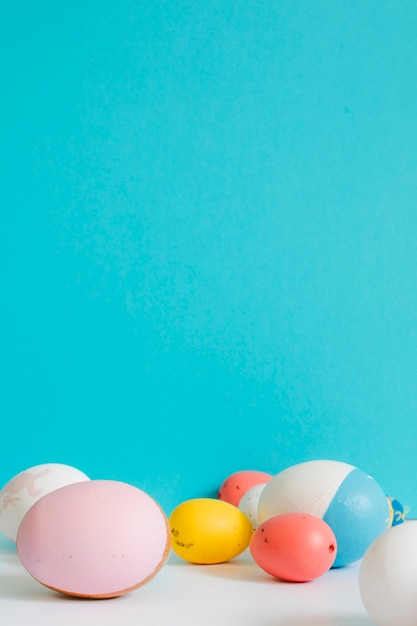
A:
24	489
345	497
388	576
295	547
236	485
397	511
207	530
94	539
249	504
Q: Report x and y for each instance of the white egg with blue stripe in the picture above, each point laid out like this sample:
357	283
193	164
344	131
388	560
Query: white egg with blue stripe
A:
349	500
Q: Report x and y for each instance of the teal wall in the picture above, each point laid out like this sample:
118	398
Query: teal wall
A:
208	225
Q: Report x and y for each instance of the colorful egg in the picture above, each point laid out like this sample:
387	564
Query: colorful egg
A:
388	577
207	531
346	498
236	485
397	511
296	547
249	504
94	539
24	489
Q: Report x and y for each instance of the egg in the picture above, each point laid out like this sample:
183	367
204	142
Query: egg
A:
237	484
295	547
388	576
24	489
397	511
249	504
345	497
94	539
208	530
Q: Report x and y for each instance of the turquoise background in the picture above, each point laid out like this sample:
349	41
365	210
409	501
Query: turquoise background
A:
208	239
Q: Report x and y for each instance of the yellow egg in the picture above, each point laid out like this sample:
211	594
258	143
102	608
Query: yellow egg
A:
207	530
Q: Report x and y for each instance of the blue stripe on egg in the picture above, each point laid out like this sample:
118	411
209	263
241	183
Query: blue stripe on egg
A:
358	514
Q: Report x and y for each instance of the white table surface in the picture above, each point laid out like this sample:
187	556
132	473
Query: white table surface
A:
181	594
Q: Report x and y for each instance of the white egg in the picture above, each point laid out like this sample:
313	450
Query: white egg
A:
249	504
388	576
24	489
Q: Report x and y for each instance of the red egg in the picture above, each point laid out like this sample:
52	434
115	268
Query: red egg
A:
296	547
236	485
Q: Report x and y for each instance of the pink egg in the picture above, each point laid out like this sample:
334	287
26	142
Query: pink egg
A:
94	539
236	485
296	547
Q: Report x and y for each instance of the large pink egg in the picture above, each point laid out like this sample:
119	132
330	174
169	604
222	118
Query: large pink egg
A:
94	539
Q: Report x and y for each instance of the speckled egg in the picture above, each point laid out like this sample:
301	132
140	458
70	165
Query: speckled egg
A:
207	530
237	484
296	547
249	504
